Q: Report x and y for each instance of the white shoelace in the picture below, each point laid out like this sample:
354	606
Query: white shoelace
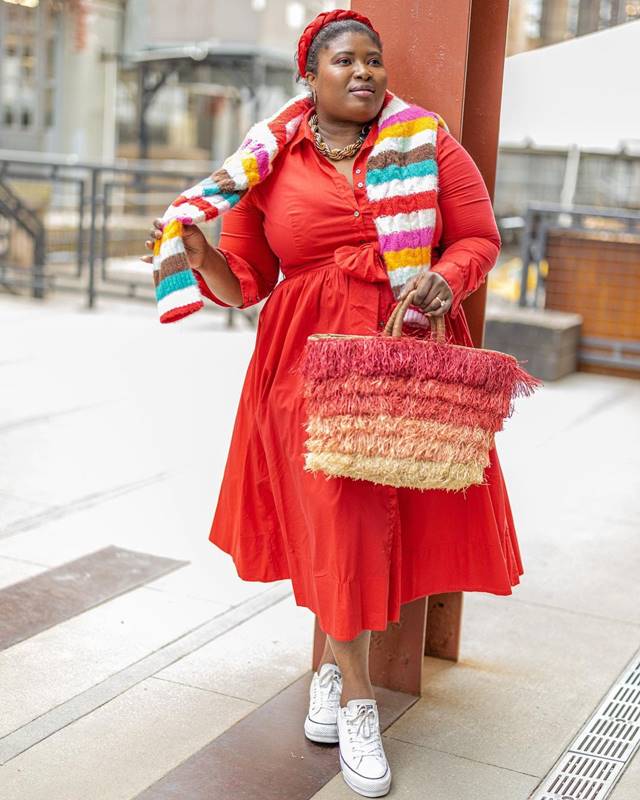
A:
364	734
327	690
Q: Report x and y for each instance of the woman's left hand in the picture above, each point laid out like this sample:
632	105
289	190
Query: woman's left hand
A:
433	295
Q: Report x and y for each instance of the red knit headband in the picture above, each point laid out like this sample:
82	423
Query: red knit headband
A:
310	32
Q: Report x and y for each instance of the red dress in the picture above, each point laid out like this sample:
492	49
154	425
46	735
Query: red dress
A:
354	551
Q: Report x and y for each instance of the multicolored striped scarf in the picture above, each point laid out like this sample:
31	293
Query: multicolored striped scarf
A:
401	181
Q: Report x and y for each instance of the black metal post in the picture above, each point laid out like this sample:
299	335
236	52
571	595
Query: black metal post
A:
525	255
91	287
80	253
106	195
38	266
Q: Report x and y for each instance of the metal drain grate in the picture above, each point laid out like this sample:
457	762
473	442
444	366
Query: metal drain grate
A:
589	768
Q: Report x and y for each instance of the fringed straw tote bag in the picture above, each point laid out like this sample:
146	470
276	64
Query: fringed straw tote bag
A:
405	411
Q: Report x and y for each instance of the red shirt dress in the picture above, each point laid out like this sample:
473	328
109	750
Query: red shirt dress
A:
354	551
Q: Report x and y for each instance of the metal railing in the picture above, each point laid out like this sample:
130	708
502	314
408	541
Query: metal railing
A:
96	206
12	208
540	220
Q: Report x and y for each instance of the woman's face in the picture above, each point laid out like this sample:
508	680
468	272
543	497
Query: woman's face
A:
351	79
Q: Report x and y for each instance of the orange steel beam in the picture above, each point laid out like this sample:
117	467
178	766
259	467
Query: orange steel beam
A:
448	56
481	115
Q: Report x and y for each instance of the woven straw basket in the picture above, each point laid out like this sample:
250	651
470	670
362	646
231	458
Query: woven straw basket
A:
405	411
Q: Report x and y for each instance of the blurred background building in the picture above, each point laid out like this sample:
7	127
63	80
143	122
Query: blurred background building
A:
143	78
189	90
536	23
58	76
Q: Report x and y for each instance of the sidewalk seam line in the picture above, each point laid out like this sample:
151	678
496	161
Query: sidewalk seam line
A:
46	416
457	755
50	722
573	611
54	512
204	689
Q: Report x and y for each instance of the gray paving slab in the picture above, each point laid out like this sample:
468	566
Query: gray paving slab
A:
421	772
167	518
12	571
14	508
527	678
59	663
36	603
573	484
103	691
628	787
255	660
123	746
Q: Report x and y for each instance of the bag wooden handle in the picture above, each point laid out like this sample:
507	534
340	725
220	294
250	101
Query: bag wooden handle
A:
396	318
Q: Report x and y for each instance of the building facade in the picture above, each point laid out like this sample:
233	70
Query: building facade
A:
536	23
76	74
58	76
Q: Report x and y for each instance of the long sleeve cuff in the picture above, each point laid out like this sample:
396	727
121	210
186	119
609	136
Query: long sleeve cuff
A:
243	273
454	276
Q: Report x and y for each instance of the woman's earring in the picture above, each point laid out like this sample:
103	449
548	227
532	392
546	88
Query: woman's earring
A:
313	94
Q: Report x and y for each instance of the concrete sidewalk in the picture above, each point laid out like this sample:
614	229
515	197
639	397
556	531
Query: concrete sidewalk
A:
114	431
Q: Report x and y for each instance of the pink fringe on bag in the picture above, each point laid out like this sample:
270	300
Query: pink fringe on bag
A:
404	411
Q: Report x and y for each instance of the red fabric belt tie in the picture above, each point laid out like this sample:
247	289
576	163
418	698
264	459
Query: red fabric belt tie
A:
368	306
360	261
363	261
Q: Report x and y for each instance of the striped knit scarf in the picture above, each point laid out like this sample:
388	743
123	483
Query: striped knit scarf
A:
401	181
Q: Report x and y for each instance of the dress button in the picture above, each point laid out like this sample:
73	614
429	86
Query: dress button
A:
360	184
356	213
358	171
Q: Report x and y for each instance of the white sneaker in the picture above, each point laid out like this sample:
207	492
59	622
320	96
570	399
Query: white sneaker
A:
362	760
324	702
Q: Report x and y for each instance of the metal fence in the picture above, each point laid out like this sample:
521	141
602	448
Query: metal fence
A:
620	346
81	226
528	175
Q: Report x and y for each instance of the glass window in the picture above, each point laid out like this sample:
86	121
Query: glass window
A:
27	65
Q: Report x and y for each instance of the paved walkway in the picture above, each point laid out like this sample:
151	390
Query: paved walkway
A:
113	432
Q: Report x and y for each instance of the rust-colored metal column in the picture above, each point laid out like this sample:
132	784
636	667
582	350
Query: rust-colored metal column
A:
448	56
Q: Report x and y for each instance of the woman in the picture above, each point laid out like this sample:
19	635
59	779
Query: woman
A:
354	551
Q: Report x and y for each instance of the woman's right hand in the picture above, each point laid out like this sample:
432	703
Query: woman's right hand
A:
195	243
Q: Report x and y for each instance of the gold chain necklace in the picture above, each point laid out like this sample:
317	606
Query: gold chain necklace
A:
336	153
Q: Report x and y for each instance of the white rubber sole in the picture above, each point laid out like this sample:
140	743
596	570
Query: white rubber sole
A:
319	732
363	786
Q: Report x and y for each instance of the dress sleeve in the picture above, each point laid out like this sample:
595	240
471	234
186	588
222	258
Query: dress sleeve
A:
470	241
244	245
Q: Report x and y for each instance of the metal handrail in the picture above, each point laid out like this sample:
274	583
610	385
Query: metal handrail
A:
166	167
591	211
95	183
12	207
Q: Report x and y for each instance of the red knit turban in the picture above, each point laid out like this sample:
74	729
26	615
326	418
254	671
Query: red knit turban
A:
309	33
